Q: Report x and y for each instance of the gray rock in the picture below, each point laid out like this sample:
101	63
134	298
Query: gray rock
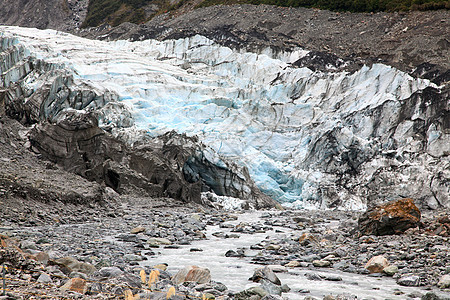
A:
110	272
444	282
409	280
265	273
390	270
270	287
44	278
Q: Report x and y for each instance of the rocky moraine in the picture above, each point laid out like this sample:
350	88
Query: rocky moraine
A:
229	152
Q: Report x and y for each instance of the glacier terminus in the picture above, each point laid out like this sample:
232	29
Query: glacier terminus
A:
309	139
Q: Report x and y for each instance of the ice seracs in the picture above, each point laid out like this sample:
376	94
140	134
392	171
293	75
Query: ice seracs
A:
306	137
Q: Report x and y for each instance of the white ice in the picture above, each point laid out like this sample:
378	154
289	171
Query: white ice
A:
252	108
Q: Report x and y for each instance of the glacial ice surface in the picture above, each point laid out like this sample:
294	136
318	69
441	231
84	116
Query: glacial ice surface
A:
248	107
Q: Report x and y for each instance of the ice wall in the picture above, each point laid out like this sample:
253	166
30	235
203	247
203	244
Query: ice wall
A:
260	111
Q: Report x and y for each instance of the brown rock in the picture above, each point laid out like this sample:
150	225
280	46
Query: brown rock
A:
137	230
193	274
391	218
376	264
78	285
308	238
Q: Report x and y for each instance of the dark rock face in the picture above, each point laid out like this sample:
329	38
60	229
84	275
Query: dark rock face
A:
80	146
171	165
391	218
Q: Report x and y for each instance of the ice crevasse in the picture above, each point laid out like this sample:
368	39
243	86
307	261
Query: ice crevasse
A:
256	109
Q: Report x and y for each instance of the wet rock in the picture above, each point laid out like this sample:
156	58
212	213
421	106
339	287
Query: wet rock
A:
391	218
270	287
409	280
444	282
78	285
376	264
313	276
265	273
232	253
192	273
333	278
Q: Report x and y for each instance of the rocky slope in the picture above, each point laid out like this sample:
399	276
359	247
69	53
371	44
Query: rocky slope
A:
403	40
56	14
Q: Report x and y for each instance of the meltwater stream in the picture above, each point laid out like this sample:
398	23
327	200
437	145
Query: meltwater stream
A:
234	272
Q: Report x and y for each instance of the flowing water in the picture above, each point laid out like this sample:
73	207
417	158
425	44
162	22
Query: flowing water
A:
234	272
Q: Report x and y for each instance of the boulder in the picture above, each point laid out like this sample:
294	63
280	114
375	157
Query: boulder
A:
265	273
192	274
394	217
377	264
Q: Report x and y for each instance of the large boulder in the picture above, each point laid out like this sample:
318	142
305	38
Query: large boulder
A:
391	218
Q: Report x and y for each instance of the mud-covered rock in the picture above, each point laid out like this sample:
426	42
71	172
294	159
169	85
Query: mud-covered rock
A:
391	218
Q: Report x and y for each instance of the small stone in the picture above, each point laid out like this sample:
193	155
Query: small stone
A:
444	282
293	264
132	257
273	247
195	250
333	278
110	272
44	278
321	263
390	270
76	285
376	264
162	267
137	230
158	241
209	296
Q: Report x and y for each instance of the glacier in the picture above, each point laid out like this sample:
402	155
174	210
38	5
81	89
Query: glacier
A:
256	109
